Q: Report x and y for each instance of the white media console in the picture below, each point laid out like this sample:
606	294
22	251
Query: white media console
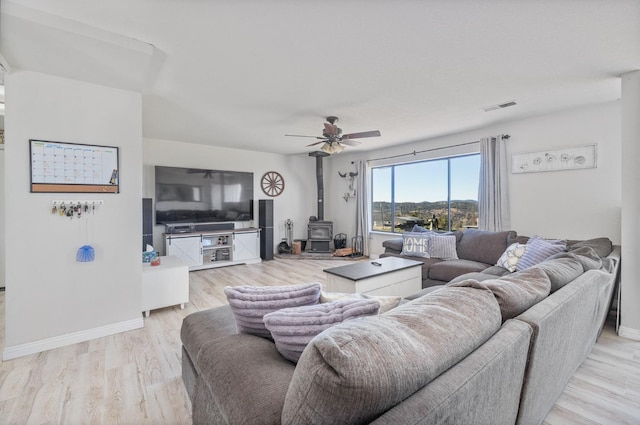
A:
215	248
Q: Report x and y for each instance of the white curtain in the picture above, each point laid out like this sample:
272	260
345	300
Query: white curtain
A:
493	194
362	206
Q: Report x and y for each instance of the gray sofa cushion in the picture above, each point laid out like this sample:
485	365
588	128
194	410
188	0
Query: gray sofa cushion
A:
564	267
247	379
561	270
423	292
496	271
602	246
479	276
484	246
351	373
587	256
249	304
517	292
293	328
448	270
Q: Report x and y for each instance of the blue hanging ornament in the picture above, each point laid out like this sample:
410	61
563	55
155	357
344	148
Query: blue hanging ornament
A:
85	254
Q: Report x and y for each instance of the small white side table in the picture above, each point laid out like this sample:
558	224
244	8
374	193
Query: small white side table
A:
164	285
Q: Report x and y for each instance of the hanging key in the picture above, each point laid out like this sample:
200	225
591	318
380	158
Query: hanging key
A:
54	209
63	209
79	210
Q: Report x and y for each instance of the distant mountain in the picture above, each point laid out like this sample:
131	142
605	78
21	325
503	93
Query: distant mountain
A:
464	213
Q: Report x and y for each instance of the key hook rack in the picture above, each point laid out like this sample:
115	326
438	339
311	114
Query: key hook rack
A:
70	208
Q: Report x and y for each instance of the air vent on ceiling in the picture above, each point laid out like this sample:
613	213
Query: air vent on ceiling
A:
500	106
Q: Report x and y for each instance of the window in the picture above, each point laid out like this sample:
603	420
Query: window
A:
439	194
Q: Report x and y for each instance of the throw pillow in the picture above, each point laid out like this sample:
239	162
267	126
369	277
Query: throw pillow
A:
419	229
511	256
415	244
249	304
386	302
538	250
293	328
443	247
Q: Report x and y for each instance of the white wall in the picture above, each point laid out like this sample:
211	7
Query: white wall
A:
2	221
629	288
297	201
51	299
578	204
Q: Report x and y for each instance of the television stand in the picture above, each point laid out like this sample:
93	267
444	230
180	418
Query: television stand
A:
204	250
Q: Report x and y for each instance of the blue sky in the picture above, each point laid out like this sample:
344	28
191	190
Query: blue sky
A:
427	181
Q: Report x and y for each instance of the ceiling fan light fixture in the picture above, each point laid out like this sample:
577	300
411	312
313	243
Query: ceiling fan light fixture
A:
332	148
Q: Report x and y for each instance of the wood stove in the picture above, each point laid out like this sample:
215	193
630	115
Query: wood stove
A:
319	236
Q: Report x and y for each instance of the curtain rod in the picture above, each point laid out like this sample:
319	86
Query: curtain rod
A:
414	153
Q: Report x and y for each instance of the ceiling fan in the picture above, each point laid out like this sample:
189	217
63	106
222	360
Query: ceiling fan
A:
333	139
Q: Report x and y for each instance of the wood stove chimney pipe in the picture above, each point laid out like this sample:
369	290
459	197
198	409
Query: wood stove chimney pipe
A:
319	181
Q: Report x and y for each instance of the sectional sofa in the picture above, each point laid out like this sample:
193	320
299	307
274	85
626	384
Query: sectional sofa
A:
477	251
482	349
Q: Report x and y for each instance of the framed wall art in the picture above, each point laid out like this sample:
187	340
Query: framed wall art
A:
70	167
570	158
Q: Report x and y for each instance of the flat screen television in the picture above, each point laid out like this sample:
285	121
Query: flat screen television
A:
193	195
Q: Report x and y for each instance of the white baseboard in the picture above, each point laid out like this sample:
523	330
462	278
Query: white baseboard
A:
629	333
71	338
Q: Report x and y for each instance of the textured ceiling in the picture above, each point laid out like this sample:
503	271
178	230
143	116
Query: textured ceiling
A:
242	74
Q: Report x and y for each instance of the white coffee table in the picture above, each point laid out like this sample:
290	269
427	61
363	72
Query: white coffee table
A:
394	276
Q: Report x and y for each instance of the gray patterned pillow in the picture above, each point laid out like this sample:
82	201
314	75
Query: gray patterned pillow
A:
293	328
443	247
538	250
249	304
511	256
415	244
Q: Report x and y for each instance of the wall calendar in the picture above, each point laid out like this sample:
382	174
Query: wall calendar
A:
72	167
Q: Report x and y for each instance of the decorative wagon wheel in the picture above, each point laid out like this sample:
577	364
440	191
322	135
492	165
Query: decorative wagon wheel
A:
272	183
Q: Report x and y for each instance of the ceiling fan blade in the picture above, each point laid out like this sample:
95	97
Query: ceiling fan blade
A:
299	135
317	143
364	134
350	142
330	129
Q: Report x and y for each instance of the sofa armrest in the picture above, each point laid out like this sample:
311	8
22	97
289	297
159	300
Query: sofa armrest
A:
203	326
493	373
393	246
565	326
243	379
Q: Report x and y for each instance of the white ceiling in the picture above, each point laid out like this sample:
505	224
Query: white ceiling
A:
242	74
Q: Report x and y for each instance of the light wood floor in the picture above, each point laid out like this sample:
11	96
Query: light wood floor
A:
135	377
